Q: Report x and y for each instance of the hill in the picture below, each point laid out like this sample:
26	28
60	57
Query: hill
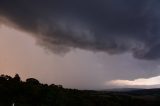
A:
33	93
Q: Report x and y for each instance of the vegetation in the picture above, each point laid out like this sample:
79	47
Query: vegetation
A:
32	93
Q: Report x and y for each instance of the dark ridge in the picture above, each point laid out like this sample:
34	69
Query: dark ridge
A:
33	93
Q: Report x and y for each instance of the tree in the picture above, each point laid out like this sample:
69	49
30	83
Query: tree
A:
32	81
17	78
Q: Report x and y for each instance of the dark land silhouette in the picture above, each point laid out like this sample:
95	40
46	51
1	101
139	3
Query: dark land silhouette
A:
33	93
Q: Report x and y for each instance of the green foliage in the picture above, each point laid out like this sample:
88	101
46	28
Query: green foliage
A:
32	93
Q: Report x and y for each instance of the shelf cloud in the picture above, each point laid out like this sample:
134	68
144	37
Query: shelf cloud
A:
111	26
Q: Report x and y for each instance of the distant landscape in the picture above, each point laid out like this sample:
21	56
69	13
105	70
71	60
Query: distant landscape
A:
80	52
33	93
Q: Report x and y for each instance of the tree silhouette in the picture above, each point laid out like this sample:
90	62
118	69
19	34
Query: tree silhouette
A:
32	93
17	78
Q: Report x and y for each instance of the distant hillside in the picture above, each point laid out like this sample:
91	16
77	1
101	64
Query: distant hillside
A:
32	93
123	89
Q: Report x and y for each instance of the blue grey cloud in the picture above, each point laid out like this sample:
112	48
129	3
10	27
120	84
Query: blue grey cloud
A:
111	26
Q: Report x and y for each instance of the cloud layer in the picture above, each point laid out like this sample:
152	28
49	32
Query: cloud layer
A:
112	26
77	69
137	82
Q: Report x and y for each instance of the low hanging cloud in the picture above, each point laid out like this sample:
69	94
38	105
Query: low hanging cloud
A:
137	82
111	26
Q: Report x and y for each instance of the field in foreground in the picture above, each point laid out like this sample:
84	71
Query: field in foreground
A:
32	93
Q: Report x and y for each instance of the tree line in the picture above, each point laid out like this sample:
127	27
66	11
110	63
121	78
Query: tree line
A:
33	93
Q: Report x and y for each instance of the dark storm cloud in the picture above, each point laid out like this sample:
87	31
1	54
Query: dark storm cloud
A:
112	26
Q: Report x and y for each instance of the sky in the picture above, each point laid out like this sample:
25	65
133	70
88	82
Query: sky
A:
87	44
